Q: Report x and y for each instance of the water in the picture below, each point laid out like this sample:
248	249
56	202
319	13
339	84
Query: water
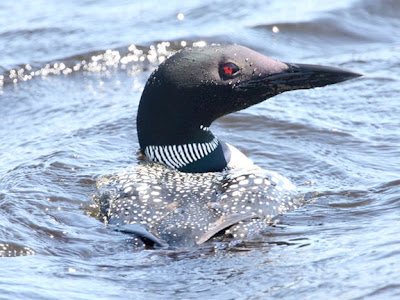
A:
73	120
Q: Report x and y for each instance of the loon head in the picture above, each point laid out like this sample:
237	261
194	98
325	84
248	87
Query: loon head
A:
196	86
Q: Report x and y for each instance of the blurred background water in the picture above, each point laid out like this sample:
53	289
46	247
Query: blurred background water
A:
71	76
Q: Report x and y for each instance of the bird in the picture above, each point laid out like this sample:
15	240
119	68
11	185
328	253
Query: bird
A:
191	187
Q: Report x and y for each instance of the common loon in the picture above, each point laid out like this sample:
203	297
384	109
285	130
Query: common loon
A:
195	187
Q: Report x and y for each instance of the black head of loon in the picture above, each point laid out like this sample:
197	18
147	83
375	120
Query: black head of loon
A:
196	86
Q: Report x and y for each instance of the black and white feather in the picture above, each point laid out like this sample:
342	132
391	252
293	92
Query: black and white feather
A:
178	156
183	209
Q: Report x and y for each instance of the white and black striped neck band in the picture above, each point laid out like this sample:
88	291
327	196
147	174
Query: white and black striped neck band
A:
178	156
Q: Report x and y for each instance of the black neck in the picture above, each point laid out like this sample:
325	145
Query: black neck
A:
177	136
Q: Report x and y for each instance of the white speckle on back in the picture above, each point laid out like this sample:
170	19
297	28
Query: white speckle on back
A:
181	208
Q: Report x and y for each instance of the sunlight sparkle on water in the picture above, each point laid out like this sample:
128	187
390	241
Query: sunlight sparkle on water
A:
102	62
200	44
180	16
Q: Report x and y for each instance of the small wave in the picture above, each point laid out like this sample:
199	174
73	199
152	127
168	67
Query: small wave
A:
387	291
132	59
358	24
33	31
372	201
9	249
320	29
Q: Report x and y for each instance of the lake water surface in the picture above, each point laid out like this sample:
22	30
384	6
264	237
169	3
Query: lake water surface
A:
71	76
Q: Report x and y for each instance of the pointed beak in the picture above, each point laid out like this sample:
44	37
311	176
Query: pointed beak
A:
296	77
302	76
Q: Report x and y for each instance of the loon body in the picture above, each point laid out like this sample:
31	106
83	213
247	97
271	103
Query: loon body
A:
195	187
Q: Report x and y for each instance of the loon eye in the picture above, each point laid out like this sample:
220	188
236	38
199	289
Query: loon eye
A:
229	69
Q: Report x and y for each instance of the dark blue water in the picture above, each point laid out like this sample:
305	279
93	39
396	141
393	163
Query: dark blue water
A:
71	75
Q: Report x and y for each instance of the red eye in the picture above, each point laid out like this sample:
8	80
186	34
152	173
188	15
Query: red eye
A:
229	68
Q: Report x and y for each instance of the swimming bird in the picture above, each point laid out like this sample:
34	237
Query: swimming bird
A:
194	187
